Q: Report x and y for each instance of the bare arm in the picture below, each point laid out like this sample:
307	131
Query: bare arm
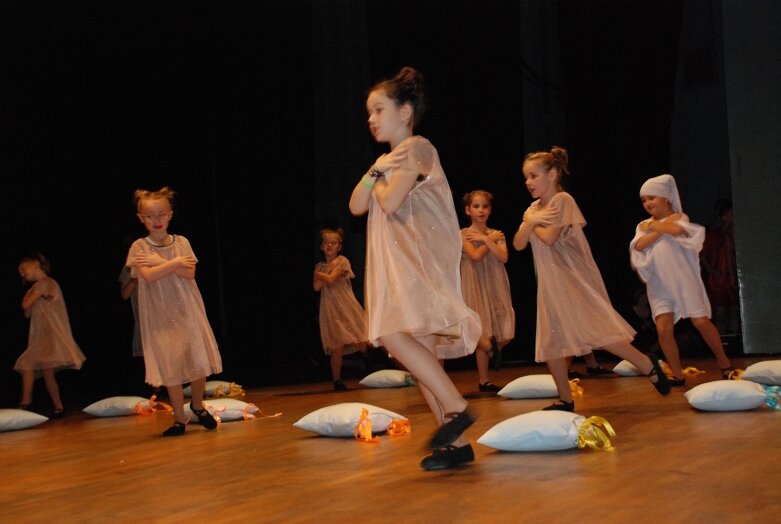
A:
656	228
127	289
361	195
493	243
321	278
153	267
538	223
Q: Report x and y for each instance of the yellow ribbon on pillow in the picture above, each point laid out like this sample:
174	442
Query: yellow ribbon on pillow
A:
595	433
233	391
575	387
363	431
736	374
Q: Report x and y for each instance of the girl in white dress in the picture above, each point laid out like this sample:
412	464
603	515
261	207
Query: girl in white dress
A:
574	313
343	327
413	252
485	285
51	346
665	254
178	342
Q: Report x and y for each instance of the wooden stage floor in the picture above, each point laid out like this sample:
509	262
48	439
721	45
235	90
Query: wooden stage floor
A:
671	464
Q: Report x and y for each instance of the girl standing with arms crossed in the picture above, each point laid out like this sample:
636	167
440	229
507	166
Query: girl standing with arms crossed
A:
51	346
342	319
574	313
413	295
665	254
485	285
178	342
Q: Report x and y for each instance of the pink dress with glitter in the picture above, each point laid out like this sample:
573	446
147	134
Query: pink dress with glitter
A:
342	319
178	342
51	343
486	290
413	281
574	313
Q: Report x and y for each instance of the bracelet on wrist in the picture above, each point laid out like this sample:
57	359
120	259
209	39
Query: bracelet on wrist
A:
367	183
374	172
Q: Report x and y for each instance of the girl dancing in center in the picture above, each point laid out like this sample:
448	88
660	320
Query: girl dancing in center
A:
574	313
413	291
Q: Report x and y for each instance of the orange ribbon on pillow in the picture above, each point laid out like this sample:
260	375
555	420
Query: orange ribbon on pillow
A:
595	433
363	431
736	374
575	387
691	370
399	427
233	391
145	408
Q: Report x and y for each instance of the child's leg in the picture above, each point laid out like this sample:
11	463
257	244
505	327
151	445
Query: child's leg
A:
665	328
482	359
28	381
52	387
427	370
336	364
711	337
176	396
197	389
559	367
590	360
628	352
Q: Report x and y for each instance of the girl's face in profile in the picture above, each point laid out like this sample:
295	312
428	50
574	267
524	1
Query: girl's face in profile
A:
479	209
539	179
155	214
30	270
386	119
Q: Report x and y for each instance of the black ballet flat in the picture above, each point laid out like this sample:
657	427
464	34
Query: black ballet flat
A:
204	417
561	405
662	383
339	385
496	356
598	371
489	387
677	382
449	432
727	372
176	430
57	413
448	457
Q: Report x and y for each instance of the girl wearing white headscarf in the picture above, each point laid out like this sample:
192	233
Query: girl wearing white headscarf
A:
665	254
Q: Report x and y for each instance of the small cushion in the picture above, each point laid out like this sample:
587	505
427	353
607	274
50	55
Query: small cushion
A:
765	372
225	409
388	378
535	431
340	420
13	419
530	386
115	406
726	395
626	369
218	388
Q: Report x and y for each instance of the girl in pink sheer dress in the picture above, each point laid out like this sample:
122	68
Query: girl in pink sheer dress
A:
51	346
665	254
413	286
178	342
574	313
485	285
343	327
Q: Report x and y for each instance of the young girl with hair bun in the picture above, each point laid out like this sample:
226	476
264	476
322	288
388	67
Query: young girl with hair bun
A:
413	253
342	319
574	313
51	346
485	285
178	342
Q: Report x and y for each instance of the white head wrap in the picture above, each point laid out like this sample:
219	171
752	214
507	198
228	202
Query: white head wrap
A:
663	186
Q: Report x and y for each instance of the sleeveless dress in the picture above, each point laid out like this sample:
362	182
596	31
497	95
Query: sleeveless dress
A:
670	268
342	319
51	343
574	313
178	342
486	291
413	281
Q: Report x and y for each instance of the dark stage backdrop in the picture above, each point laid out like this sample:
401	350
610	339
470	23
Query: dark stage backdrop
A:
215	99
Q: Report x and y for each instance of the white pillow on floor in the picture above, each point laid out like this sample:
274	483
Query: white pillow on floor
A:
726	395
227	409
765	372
115	406
340	420
388	378
535	431
13	419
626	369
530	386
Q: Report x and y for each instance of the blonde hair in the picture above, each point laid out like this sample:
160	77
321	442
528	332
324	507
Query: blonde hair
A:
164	193
557	157
338	232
